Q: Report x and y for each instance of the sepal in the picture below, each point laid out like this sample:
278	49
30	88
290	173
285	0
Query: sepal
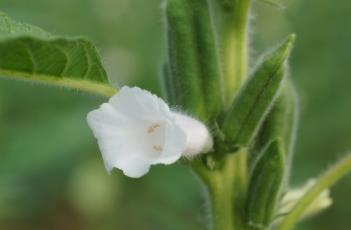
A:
264	186
250	107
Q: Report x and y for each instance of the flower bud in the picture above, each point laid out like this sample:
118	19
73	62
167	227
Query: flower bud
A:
289	200
264	187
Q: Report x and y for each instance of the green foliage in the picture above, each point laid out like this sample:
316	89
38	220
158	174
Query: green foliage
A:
11	28
264	186
254	100
312	60
31	54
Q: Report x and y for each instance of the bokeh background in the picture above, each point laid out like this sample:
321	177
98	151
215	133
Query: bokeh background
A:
51	175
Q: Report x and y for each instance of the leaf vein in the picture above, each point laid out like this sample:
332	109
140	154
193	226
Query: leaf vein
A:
67	60
31	57
88	60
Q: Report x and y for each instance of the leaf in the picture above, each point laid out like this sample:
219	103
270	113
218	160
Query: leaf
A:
31	54
11	28
254	100
264	186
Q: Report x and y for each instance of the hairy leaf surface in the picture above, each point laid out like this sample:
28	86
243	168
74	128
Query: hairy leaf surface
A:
29	53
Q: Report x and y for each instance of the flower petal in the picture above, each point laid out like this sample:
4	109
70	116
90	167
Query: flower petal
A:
136	129
140	104
175	141
199	139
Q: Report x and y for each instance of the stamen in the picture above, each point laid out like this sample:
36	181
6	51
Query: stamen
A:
152	128
158	148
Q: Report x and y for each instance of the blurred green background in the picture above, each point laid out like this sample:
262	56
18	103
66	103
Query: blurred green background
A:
51	175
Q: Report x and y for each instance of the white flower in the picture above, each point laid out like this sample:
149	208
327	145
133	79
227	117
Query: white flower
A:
290	199
136	129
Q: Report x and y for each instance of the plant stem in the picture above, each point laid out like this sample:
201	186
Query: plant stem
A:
239	160
220	190
325	181
220	193
225	188
234	48
234	42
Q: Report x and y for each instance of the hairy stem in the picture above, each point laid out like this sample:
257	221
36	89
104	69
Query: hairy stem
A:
234	42
225	188
220	192
222	210
234	50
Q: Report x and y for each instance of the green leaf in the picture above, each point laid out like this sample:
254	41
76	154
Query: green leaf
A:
31	54
264	186
10	28
254	100
325	181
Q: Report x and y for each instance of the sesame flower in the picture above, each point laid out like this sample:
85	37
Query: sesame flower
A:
137	129
290	199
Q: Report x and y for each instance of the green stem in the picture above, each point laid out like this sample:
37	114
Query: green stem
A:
226	186
240	173
220	193
325	181
239	160
234	41
224	190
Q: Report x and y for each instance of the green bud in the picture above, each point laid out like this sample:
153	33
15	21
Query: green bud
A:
183	58
226	4
254	100
264	186
281	122
194	73
166	80
208	57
